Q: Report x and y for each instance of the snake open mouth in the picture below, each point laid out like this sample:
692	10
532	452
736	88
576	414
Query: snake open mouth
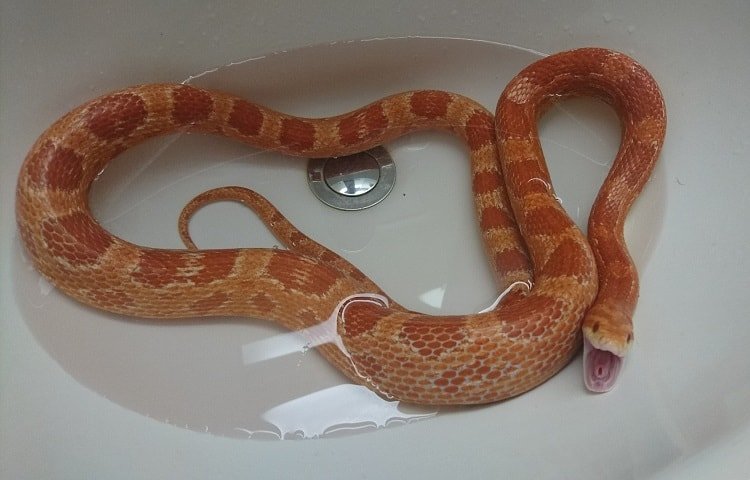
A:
600	368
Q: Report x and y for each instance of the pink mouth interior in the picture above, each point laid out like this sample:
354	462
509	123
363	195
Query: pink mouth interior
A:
600	368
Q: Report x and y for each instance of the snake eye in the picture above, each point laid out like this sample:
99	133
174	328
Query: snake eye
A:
595	328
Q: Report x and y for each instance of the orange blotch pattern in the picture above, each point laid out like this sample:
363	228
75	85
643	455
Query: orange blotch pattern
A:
430	104
360	318
480	130
191	105
246	117
116	116
297	134
56	167
487	182
76	237
369	123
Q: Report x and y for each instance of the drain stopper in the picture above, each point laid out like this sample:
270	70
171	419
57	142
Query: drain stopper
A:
352	182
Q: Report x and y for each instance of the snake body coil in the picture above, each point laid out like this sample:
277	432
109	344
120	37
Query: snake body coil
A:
578	285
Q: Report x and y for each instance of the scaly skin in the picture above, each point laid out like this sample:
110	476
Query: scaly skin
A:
416	358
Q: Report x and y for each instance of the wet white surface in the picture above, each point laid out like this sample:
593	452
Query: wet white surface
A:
88	393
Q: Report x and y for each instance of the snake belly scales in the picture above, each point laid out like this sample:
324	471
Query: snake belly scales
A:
571	287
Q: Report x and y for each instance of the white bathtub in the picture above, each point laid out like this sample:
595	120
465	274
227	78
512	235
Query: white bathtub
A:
83	393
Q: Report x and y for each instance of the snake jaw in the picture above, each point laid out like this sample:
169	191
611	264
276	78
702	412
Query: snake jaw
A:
600	368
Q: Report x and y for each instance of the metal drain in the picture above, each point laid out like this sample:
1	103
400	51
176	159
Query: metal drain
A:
353	182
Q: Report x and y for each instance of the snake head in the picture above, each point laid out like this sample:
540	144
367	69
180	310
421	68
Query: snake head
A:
607	335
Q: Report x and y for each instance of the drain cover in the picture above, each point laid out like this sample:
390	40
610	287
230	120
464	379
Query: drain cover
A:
353	182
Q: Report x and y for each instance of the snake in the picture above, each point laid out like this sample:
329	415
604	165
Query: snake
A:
563	289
